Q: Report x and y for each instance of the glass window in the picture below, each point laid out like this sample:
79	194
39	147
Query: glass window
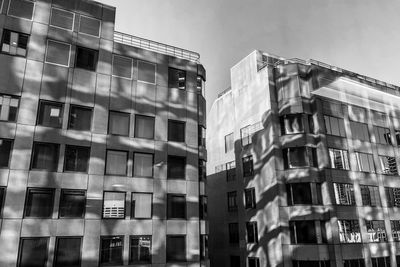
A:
202	170
8	108
370	196
202	136
245	135
68	251
365	162
302	232
248	169
376	231
349	231
253	262
2	199
114	205
296	263
299	157
380	261
176	248
39	203
146	72
5	152
334	126
143	164
116	162
176	78
21	8
111	249
72	203
33	251
62	18
122	66
118	123
86	58
203	213
80	118
252	232
292	124
176	206
90	26
250	198
176	131
339	159
388	165
144	127
58	53
233	233
344	194
395	230
397	132
382	135
232	201
176	167
231	171
359	131
76	158
142	205
392	196
234	261
354	263
50	114
140	249
229	142
200	84
45	156
203	247
299	193
14	43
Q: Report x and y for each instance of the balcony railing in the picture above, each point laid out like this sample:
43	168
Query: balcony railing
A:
165	49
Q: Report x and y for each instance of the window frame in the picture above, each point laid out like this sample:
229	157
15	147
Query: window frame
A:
51	103
177	71
2	200
168	260
126	165
232	195
103	200
79	26
130	246
253	202
355	125
17	112
231	172
155	71
227	147
9	153
245	160
20	246
254	229
88	148
121	237
33	156
73	18
132	207
344	154
33	10
19	33
62	193
169	170
256	260
37	189
371	195
172	123
79	107
138	116
233	238
152	165
126	115
325	116
112	69
67	237
94	69
53	63
170	217
352	200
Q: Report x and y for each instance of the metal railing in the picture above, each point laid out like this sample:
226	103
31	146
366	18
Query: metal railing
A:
169	50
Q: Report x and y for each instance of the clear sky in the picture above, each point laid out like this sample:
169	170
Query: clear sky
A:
359	35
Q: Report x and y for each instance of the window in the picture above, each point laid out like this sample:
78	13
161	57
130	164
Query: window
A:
334	126
248	169
58	53
302	232
388	165
392	196
33	251
140	249
344	194
144	127
50	114
2	199
325	263
359	131
39	203
5	152
142	205
68	251
253	262
80	118
250	198
234	261
382	135
72	203
76	158
176	206
299	157
176	248
203	247
90	26
202	170
299	194
233	233
354	263
231	171
229	143
380	262
246	135
86	58
202	136
146	72
116	162
232	202
397	132
376	231
203	213
176	167
62	19
176	78
370	196
201	88
143	165
114	205
292	124
395	230
8	108
122	66
118	123
176	131
252	232
339	159
21	9
45	156
365	162
111	249
349	231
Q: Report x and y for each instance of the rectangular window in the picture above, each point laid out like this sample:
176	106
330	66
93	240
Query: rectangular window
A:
143	165
395	230
176	248
245	135
76	158
380	261
359	131
5	152
176	78
291	124
376	231
233	233
58	53
141	205
2	199
116	162
296	263
62	19
252	232
397	132
90	26
302	232
339	159
14	43
299	194
202	136
248	168
80	118
72	203
202	170
176	206
370	196
234	261
253	262
114	205
144	127
203	247
68	251
354	263
203	213
50	114
176	167
111	249
45	156
334	126
146	72
299	157
392	196
140	249
382	135
118	123
39	203
388	165
344	194
231	171
250	198
365	162
122	66
86	58
229	143
176	131
33	251
349	231
232	201
200	84
21	9
8	108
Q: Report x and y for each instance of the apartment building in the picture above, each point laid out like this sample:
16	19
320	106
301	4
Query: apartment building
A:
303	167
102	142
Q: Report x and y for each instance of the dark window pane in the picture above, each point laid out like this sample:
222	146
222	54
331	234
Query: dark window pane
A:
176	167
234	261
21	9
114	205
86	58
233	233
62	18
359	131
39	203
116	162
80	118
388	165
119	123
58	53
302	232
250	198
202	170
299	157
176	131
146	72
8	108
252	232
232	201
370	196
89	26
203	213
141	206
140	249
111	249
202	136
230	171
76	158
5	152
248	169
292	124
176	248
176	206
344	194
382	135
68	252
339	159
203	247
122	66
176	78
299	193
334	126
144	127
72	203
254	262
45	156
50	114
143	165
2	199
33	252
